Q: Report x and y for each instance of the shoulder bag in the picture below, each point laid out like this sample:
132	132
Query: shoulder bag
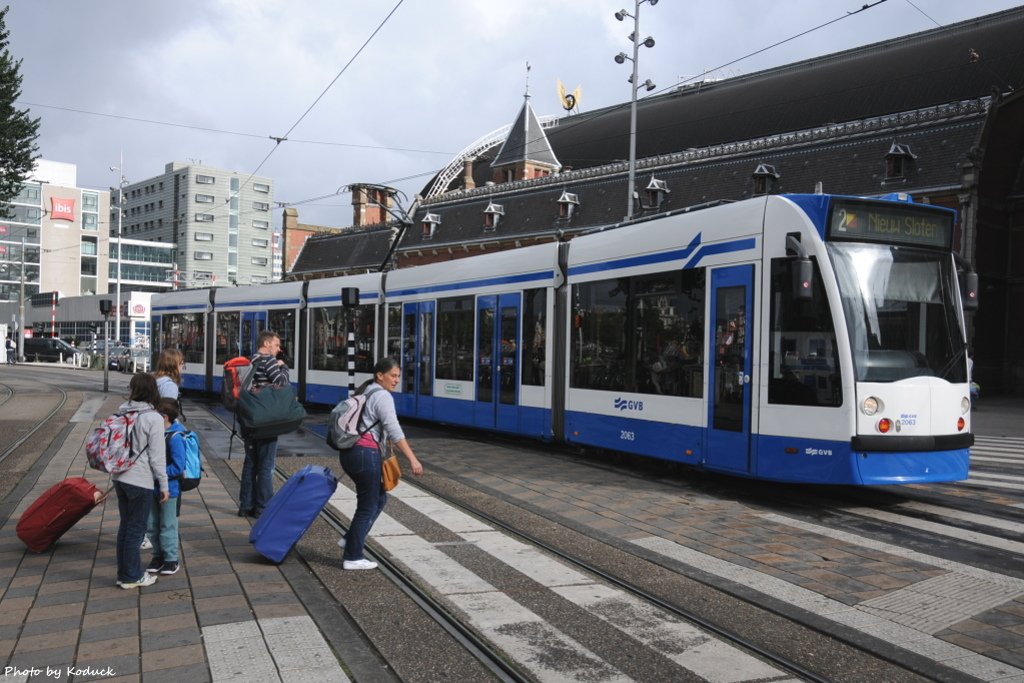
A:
390	472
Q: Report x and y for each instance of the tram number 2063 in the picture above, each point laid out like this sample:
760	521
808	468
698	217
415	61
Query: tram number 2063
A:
625	435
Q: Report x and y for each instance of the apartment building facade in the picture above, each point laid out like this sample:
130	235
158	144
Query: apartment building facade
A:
219	222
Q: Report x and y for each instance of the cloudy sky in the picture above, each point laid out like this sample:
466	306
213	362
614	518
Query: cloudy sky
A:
211	81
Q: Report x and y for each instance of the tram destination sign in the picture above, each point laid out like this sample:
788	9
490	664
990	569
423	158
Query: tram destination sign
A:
890	223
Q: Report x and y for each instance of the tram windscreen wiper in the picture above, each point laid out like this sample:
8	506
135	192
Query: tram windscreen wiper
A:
951	363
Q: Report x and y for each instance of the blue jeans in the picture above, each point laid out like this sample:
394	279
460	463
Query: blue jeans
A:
133	504
362	463
163	529
258	474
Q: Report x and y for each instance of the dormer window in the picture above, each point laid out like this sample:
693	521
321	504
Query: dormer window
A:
429	225
764	178
897	161
654	194
567	204
493	215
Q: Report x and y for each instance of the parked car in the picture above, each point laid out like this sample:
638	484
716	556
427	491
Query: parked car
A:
49	349
133	358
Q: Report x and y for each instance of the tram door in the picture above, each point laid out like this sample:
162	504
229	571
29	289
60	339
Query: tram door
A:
418	358
497	362
252	324
729	392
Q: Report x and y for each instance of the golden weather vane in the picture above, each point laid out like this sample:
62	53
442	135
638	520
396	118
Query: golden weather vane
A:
570	101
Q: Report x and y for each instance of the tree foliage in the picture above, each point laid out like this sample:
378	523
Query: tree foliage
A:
18	131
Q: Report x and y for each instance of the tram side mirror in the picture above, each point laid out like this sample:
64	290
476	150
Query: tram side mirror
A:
803	279
969	291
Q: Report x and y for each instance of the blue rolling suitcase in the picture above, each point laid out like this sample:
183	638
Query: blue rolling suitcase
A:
290	512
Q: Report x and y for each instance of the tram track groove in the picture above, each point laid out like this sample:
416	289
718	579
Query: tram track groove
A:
589	568
39	424
473	642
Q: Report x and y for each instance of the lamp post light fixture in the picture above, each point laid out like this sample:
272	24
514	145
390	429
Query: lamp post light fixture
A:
122	181
621	58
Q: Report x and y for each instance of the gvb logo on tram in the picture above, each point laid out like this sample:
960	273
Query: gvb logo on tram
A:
626	404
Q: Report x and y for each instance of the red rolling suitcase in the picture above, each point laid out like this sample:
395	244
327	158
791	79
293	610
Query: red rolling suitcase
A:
56	511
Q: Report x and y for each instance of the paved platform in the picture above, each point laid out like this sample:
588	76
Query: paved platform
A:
229	616
225	616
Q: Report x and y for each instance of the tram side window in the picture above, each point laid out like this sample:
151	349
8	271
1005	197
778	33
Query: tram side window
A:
228	337
643	334
535	318
599	335
455	338
185	332
667	314
394	348
283	322
802	355
328	339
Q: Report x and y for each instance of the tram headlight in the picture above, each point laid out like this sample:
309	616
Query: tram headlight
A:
884	425
871	405
960	424
965	405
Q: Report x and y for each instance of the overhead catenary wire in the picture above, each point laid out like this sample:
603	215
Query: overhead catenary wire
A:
222	131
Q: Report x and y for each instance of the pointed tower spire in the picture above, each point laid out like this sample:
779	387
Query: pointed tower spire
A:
526	152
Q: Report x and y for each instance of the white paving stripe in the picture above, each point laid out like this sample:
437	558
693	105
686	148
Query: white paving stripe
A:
543	569
681	642
943	529
1004	477
939	602
898	551
522	633
905	637
533	643
1002	461
289	649
984	482
981	520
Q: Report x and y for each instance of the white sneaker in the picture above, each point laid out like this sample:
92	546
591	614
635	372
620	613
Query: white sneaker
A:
359	564
146	543
146	580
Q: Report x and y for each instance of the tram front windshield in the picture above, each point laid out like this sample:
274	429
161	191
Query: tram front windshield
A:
901	311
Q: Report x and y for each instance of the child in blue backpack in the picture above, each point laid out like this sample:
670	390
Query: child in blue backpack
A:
163	517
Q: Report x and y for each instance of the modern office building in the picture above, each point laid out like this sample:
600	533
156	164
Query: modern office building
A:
51	240
219	222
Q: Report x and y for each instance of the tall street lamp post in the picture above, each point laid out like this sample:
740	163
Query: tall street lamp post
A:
633	80
122	181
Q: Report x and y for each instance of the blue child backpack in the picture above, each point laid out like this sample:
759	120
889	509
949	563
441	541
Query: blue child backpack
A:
193	473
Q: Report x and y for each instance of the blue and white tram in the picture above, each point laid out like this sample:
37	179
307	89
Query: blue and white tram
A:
804	338
324	363
800	338
180	321
473	335
240	313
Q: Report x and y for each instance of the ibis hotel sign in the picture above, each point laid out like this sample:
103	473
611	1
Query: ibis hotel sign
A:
62	209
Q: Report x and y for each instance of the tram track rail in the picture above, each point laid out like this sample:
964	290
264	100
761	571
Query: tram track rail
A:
689	616
39	424
488	656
